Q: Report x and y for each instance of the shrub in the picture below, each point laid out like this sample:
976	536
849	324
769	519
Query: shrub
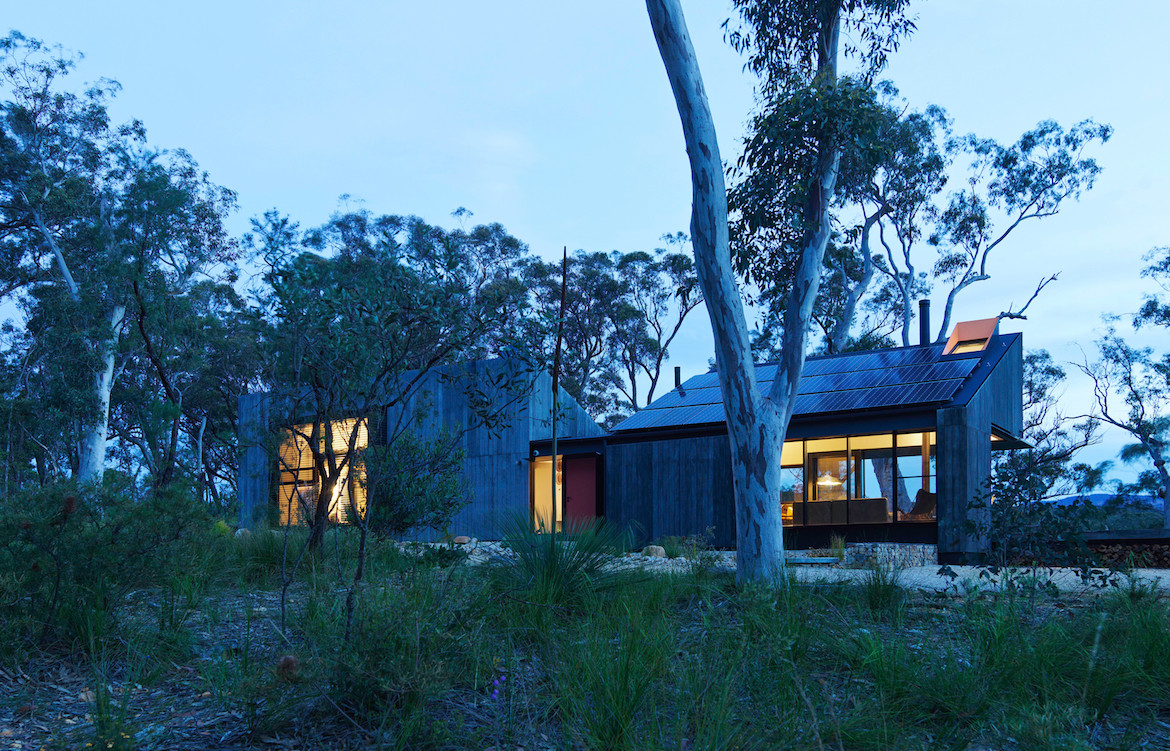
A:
413	483
673	545
410	644
70	555
881	587
1022	530
606	679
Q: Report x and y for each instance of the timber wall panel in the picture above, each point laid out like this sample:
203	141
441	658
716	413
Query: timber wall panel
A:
671	487
964	453
572	420
255	464
1003	392
496	467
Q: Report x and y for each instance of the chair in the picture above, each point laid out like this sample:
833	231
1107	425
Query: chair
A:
924	507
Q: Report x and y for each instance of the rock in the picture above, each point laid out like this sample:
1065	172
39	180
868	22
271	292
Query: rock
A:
461	540
243	533
654	551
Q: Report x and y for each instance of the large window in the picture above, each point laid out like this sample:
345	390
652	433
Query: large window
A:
872	501
300	484
918	493
827	460
865	479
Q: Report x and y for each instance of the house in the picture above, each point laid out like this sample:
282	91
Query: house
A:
885	445
493	411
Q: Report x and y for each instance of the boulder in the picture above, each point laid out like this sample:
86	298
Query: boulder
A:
654	551
461	540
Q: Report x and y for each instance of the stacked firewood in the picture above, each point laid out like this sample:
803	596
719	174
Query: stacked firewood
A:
1139	555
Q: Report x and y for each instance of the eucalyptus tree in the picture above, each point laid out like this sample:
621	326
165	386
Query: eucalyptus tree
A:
1142	381
622	313
39	405
363	310
57	151
1131	384
102	228
899	231
794	45
1047	467
659	290
190	355
591	294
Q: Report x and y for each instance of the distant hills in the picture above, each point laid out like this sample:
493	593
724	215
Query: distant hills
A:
1103	499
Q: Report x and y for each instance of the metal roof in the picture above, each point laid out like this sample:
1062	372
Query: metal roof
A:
892	378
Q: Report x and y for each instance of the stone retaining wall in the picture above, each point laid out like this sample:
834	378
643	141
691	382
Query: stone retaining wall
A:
894	554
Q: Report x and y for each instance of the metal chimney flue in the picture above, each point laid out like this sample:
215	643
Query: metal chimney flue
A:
924	322
678	377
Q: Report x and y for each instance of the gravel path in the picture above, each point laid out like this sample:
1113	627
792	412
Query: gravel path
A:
927	578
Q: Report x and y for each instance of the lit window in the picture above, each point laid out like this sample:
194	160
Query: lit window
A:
299	484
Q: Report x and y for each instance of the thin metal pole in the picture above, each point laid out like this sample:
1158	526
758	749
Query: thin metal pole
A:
556	378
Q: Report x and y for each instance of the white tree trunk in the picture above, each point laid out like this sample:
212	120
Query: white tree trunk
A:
755	428
93	441
199	457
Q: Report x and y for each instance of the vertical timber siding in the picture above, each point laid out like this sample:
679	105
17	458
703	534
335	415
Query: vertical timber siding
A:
1002	395
255	466
495	462
964	453
497	451
671	487
960	473
572	420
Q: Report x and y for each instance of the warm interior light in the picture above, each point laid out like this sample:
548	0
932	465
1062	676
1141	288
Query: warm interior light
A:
298	484
971	345
827	480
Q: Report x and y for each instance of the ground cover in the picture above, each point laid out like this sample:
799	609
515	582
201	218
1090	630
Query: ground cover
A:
446	655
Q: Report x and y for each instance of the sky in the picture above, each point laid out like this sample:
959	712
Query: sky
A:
557	120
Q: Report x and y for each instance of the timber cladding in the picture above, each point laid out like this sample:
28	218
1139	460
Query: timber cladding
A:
680	487
964	446
444	403
667	473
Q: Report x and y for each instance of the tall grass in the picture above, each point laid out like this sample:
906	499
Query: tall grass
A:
557	650
560	568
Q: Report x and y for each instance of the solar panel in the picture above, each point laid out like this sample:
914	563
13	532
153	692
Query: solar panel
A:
702	381
679	416
830	384
689	397
887	377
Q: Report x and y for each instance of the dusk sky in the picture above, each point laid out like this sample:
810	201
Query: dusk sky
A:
556	120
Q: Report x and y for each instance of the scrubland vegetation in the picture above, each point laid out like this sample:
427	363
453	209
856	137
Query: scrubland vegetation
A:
147	624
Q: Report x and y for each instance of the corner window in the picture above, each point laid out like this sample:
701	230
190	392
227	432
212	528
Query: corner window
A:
300	484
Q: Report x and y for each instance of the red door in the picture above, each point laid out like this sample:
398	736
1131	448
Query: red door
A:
580	478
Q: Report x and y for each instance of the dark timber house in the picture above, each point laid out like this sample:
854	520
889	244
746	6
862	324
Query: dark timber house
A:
276	475
885	445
